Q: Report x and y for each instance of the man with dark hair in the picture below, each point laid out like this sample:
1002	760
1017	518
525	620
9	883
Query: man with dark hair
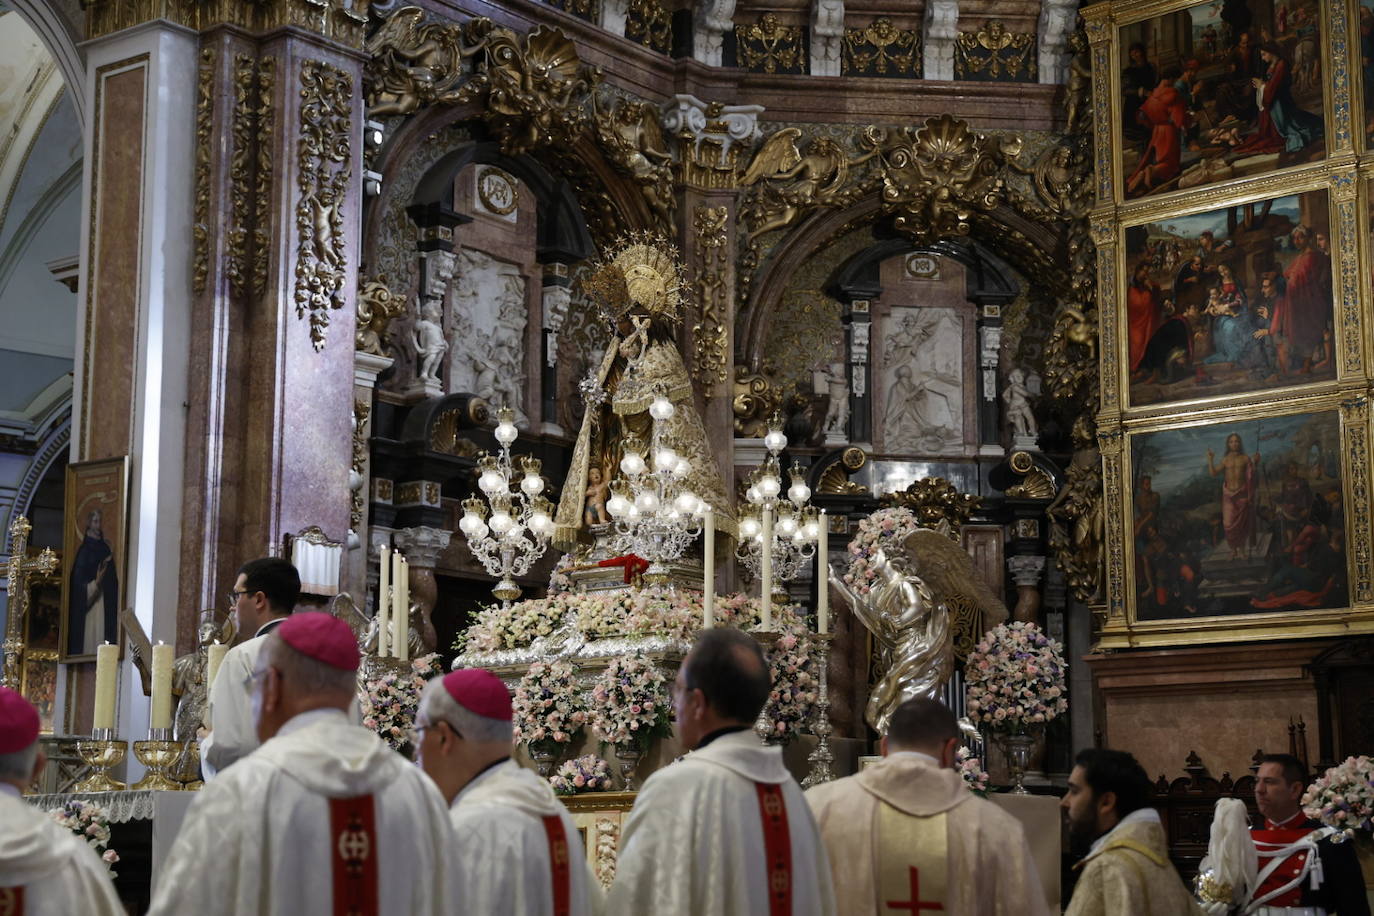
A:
726	830
908	831
264	594
1289	836
1127	868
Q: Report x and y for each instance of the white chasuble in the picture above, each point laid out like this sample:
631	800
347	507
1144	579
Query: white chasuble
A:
46	870
906	836
322	820
726	831
521	852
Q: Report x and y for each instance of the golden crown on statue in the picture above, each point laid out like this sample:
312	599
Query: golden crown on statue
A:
639	274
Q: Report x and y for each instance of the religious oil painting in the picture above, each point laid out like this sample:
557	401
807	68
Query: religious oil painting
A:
1220	90
1230	301
1234	518
95	512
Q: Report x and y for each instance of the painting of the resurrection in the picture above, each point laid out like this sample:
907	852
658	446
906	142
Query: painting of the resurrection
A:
1238	518
1220	90
1230	301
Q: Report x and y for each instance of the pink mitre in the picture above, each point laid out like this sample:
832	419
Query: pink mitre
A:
479	692
19	721
322	637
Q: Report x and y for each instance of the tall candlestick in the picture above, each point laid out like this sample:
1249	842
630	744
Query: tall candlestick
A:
383	599
403	616
161	716
766	571
106	675
823	576
394	615
708	565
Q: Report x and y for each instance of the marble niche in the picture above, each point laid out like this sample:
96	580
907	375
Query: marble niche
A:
487	333
921	402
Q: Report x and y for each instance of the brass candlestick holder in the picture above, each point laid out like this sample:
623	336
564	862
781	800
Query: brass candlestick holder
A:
821	758
159	754
763	726
102	752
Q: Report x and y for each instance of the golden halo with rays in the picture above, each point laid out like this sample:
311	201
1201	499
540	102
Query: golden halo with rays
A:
640	273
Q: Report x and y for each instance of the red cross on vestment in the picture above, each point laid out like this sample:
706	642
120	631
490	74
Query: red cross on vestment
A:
915	904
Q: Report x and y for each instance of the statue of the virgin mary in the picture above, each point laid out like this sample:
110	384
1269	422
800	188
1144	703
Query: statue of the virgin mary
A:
638	287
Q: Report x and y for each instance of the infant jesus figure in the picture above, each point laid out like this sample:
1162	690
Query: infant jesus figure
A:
594	512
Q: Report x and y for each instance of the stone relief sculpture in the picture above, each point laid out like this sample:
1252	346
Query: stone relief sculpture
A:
488	355
924	357
427	337
827	36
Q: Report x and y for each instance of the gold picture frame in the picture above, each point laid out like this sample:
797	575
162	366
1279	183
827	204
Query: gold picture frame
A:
42	642
1249	570
95	537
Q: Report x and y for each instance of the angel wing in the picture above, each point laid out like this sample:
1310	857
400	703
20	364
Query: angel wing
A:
398	31
948	569
346	609
652	140
140	647
837	166
777	156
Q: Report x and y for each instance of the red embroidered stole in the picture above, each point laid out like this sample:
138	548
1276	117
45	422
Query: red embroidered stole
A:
560	869
353	845
777	847
12	901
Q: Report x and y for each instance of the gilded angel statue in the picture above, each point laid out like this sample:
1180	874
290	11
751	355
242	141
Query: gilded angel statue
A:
414	63
907	611
815	177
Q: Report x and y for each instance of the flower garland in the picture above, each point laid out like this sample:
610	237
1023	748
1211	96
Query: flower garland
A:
90	822
971	769
515	627
1015	677
588	773
1343	797
388	703
793	695
630	704
885	529
548	708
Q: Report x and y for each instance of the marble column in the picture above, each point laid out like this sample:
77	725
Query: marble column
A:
366	368
421	547
1025	572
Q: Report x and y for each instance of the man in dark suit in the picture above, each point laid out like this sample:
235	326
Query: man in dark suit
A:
1279	785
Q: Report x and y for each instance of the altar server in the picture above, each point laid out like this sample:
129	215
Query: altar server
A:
907	832
264	594
1127	868
45	870
521	852
725	831
324	817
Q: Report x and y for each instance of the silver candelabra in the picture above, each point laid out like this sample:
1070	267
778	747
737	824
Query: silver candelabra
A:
794	523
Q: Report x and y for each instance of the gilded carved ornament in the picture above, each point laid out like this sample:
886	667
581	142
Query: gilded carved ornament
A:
631	133
881	47
200	221
378	306
995	53
1036	482
343	21
768	46
936	504
710	354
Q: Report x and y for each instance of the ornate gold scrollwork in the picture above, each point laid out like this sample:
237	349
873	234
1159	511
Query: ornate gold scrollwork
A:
1035	483
756	400
877	48
200	221
632	135
649	23
323	173
1077	519
413	63
362	410
709	336
768	46
835	478
250	173
377	307
995	53
262	190
797	182
340	20
936	504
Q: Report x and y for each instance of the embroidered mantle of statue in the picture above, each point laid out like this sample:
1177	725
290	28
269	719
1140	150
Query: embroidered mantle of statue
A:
638	287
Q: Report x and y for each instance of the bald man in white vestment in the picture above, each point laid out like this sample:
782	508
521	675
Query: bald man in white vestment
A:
264	593
725	831
521	852
906	835
45	869
324	817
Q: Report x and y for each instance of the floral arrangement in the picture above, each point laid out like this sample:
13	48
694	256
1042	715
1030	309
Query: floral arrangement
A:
971	769
388	703
559	580
883	530
793	697
1015	677
514	627
630	702
1343	796
90	822
548	708
588	773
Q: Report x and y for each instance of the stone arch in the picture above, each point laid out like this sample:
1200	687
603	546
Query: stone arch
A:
51	447
61	38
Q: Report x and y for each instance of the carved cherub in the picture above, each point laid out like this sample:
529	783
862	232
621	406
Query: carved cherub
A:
1016	397
598	489
430	343
816	176
414	64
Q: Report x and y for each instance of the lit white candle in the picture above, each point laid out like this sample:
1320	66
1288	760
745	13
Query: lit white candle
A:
393	619
106	675
213	659
766	571
161	716
383	599
403	615
823	576
708	565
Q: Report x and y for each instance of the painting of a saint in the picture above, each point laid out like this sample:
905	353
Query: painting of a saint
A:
1219	91
1230	301
92	587
1239	518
